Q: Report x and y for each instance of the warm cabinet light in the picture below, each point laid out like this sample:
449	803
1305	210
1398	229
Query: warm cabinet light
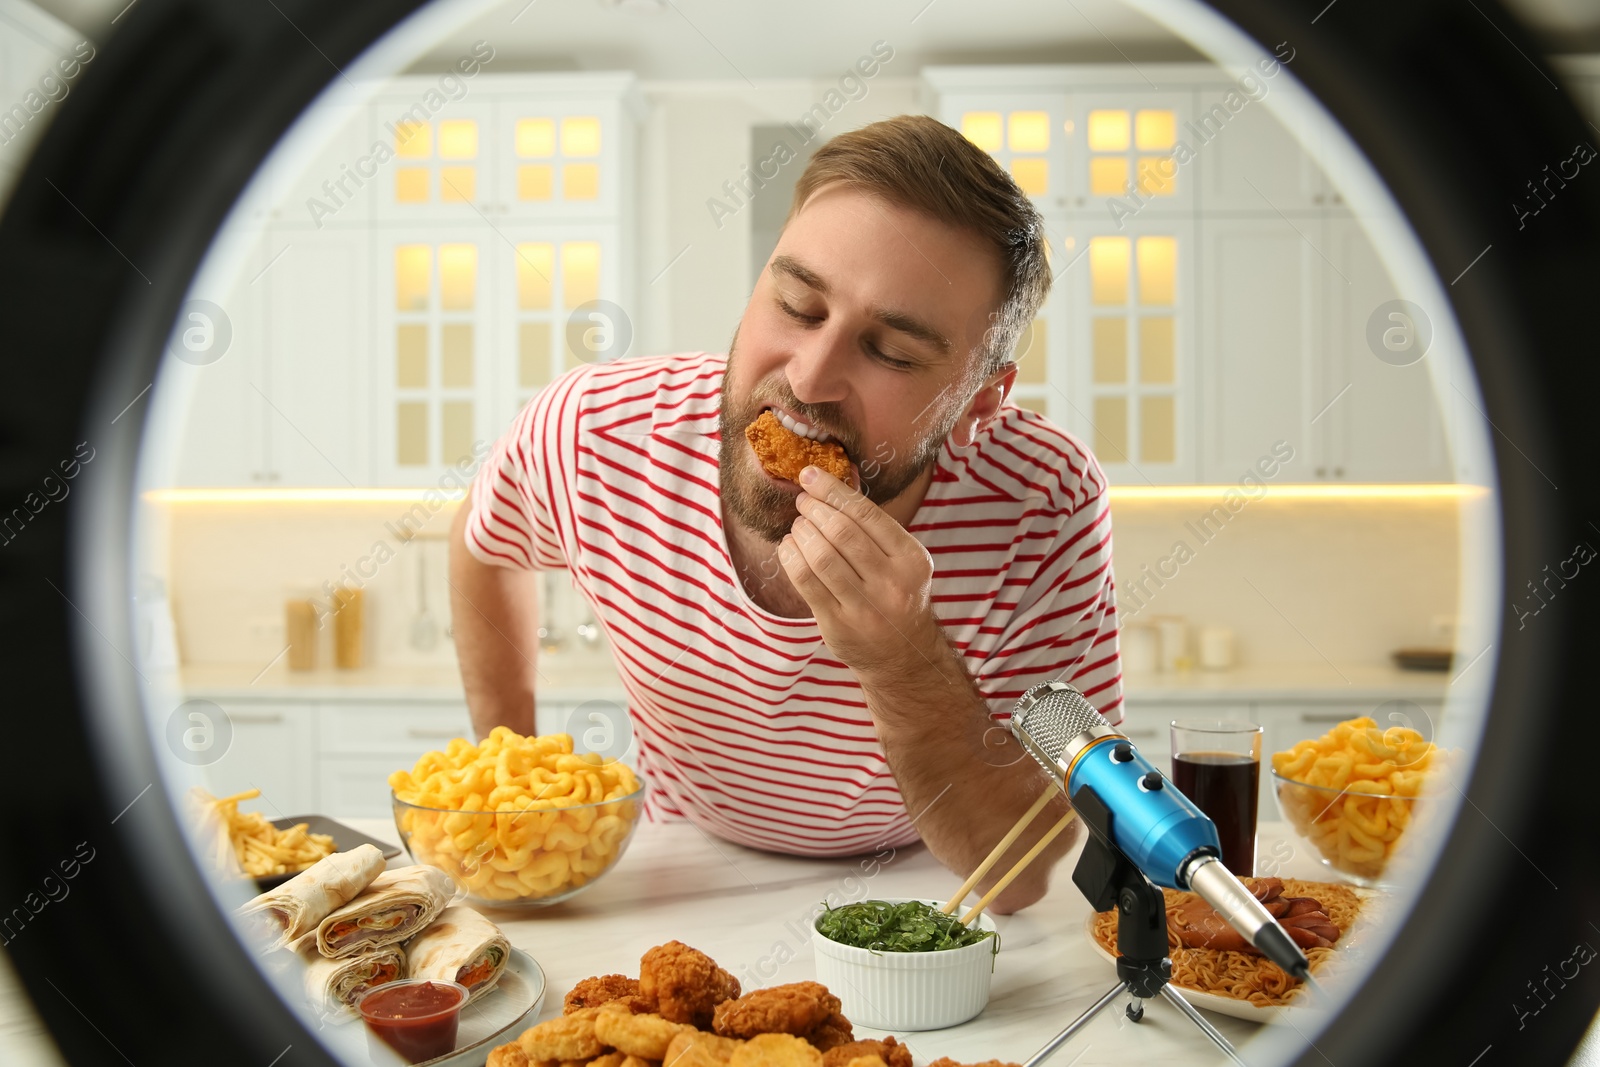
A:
1119	494
1412	492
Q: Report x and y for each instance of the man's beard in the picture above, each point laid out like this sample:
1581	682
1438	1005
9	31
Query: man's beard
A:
769	510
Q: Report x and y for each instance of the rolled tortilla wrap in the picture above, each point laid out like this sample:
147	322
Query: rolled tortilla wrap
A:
335	985
461	946
295	908
396	906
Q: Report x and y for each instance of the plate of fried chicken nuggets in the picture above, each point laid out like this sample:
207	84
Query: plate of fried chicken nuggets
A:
685	1011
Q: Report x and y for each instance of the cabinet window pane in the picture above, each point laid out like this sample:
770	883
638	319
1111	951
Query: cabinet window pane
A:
1158	176
413	277
413	140
1158	270
536	263
533	355
1111	428
536	137
580	136
1028	131
458	139
1033	354
535	181
1108	131
1155	130
1110	350
580	181
580	272
456	436
1108	270
411	433
1032	176
982	128
458	184
411	356
1040	404
458	276
1108	176
1157	429
411	185
455	351
1158	361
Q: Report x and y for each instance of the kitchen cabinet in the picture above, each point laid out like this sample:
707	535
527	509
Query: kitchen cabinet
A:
1246	161
1130	389
225	434
402	306
334	756
268	751
1273	282
1383	423
1260	280
359	744
313	394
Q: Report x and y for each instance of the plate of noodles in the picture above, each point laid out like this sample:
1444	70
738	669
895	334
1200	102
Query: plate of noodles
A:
1240	984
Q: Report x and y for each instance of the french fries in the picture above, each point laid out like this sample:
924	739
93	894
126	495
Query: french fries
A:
261	848
1367	780
516	818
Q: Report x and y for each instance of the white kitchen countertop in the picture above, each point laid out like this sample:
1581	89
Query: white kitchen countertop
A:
571	678
749	910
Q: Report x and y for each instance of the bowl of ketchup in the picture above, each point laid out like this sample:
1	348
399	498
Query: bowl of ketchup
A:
416	1017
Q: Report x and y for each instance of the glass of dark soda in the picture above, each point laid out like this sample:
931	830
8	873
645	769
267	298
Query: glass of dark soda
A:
1217	764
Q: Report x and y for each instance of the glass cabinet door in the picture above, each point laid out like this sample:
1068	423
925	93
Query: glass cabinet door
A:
1132	385
433	347
441	167
561	287
558	157
1130	152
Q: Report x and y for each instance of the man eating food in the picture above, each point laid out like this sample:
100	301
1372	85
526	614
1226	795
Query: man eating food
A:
829	561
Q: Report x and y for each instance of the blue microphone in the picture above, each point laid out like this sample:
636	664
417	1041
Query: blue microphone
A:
1155	826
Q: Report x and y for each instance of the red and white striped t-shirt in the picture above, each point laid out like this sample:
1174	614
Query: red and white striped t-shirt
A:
745	723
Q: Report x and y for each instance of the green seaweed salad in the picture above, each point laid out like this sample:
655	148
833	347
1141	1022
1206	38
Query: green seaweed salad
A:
911	926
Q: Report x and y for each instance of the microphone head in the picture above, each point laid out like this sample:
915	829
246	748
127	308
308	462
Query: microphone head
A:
1049	717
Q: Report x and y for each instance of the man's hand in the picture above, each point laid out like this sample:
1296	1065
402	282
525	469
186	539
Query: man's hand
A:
867	580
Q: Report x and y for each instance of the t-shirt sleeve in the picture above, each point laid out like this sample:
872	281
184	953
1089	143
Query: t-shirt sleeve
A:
520	506
1064	627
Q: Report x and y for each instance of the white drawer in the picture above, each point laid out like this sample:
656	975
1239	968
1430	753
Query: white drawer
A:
407	730
356	787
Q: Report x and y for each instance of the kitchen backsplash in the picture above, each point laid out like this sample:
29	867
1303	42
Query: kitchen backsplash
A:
1297	579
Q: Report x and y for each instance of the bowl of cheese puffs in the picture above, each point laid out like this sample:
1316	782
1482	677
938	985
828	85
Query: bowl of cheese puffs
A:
517	821
1353	794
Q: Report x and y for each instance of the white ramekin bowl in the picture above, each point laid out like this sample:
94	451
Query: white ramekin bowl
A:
908	990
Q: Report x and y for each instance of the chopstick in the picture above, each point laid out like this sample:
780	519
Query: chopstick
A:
977	909
999	850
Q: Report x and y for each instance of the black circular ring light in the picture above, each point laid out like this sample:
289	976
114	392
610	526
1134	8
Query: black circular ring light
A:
127	189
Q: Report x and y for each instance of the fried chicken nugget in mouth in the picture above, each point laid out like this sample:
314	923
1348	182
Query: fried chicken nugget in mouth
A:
784	453
797	1008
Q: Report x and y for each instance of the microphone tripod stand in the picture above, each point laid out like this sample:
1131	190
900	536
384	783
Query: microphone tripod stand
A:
1108	879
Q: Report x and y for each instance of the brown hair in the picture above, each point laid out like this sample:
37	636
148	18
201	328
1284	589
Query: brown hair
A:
919	163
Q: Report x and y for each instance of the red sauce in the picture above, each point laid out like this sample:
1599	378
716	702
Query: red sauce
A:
417	1019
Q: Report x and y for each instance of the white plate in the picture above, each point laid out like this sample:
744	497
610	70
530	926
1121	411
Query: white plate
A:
485	1021
1238	1009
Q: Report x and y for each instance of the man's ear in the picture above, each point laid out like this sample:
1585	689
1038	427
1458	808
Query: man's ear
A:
984	407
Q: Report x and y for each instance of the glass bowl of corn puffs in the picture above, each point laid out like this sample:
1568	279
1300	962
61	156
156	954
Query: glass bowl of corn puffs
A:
1352	794
517	821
